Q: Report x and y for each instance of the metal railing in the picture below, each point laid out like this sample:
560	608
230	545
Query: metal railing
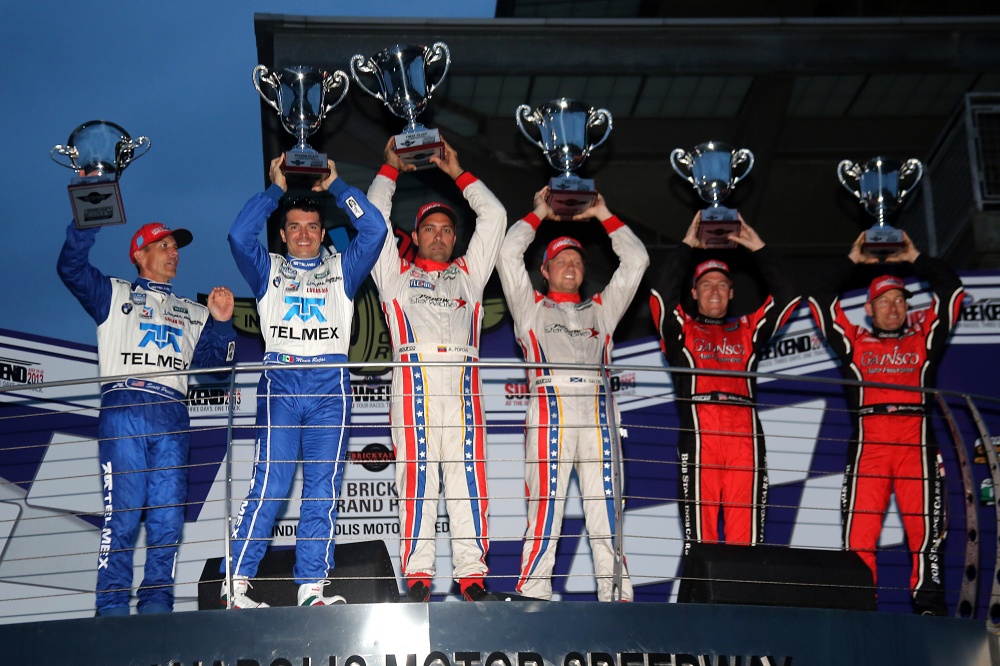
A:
46	520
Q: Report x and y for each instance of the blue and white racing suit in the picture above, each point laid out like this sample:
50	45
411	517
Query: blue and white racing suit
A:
306	307
142	327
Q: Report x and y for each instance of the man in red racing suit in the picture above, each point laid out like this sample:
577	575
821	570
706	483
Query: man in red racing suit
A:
721	444
893	446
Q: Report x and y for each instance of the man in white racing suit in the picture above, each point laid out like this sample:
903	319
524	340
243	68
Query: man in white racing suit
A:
569	422
434	311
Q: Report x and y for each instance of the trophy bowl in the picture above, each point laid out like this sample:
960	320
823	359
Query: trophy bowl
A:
99	147
564	126
401	74
881	184
564	136
713	168
299	96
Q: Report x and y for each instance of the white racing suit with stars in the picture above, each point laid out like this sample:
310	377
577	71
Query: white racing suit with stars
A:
567	424
306	308
434	312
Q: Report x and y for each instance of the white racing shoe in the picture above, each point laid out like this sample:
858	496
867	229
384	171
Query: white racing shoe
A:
240	599
311	594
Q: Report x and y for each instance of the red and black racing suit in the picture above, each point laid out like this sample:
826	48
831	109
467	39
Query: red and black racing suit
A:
721	444
893	447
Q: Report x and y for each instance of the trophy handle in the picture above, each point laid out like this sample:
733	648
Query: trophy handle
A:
682	162
739	157
524	111
596	118
910	166
125	152
433	54
848	171
65	151
262	75
360	64
140	146
331	81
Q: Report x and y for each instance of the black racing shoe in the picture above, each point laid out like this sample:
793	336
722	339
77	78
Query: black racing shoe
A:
930	603
476	592
418	591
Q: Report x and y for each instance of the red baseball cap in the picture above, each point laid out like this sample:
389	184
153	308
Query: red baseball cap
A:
435	207
885	283
560	244
709	266
154	231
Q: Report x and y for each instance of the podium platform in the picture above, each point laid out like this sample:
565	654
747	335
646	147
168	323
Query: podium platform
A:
513	633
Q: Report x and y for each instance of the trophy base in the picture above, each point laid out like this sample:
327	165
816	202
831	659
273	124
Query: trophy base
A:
96	201
882	242
717	223
570	195
417	147
305	164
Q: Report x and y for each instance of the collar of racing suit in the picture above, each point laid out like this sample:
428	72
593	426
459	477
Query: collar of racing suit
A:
882	333
303	264
562	297
149	285
429	265
702	319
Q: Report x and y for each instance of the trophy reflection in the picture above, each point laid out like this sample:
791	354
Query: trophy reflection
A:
714	168
401	74
881	184
564	136
299	95
99	151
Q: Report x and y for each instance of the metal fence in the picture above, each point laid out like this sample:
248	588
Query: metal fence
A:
51	508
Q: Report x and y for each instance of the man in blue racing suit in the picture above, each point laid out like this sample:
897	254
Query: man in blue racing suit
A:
142	327
305	303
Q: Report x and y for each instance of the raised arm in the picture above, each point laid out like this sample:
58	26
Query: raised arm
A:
360	256
491	218
380	193
514	276
633	260
824	302
668	280
87	284
250	254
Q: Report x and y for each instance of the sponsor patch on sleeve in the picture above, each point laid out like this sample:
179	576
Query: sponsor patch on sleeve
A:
355	207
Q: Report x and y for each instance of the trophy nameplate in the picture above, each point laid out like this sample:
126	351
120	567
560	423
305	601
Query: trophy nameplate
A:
570	195
417	147
717	223
96	201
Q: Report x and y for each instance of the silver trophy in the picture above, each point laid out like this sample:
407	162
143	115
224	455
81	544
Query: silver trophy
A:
401	74
714	168
564	128
99	151
300	96
881	184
